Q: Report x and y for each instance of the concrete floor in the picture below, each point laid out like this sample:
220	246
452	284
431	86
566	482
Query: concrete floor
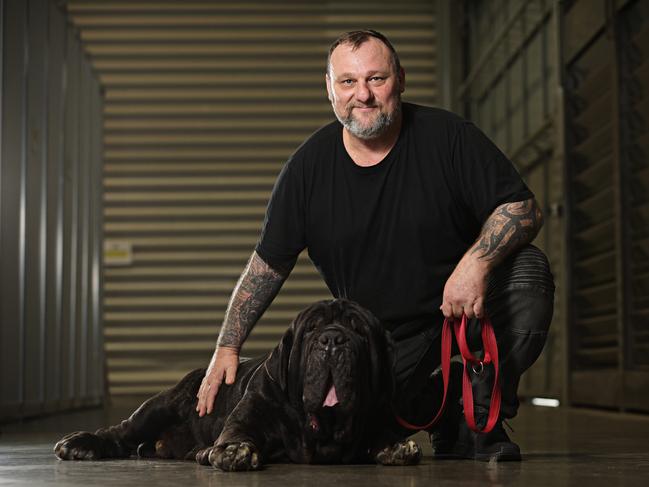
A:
561	447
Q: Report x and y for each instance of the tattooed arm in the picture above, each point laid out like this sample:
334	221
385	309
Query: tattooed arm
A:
257	287
507	229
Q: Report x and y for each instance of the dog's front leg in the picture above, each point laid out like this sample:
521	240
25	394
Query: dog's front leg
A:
235	457
252	431
239	446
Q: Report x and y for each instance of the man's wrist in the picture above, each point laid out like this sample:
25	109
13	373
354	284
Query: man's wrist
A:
473	261
232	348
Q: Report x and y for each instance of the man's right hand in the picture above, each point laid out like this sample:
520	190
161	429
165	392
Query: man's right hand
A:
224	363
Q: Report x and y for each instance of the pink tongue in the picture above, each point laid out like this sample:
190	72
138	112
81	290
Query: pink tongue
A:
331	399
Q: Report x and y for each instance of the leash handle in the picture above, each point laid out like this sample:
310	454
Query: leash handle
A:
490	356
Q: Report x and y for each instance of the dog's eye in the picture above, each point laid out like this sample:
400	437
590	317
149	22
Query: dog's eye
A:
310	327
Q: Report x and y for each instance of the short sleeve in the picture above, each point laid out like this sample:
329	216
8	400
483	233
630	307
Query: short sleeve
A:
487	178
283	231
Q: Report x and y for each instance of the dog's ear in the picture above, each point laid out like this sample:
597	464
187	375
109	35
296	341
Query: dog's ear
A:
284	364
381	350
382	359
277	362
305	322
387	362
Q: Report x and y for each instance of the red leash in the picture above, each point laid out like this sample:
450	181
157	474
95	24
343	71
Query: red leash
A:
490	356
447	339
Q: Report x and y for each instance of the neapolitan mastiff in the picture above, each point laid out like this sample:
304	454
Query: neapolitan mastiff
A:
323	395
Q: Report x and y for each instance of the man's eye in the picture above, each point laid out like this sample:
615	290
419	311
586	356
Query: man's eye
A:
347	82
377	78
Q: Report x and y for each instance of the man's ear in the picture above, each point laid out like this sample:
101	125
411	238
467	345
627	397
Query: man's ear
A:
402	80
328	85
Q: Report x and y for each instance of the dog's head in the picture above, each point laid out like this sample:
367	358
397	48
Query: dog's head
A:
335	364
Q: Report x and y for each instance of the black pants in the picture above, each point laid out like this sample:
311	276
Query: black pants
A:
519	302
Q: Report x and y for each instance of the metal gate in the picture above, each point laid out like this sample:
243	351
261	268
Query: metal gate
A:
607	108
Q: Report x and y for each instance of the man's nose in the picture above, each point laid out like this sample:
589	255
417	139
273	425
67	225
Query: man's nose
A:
363	93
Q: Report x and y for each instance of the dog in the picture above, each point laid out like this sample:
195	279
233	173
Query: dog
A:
323	395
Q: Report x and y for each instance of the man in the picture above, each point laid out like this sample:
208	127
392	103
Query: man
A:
412	212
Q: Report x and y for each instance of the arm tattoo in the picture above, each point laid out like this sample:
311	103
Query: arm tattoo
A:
256	289
508	228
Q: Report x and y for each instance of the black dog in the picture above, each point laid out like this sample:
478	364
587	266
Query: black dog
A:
323	395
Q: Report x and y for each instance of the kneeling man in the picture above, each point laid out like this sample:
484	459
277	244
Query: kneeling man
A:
413	213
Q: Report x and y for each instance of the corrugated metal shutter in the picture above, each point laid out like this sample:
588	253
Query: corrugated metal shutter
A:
595	251
609	183
594	208
204	103
634	75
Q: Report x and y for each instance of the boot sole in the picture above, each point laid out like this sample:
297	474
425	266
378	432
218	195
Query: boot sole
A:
460	453
499	457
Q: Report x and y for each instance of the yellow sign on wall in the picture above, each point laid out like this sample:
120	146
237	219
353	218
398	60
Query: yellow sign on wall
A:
117	253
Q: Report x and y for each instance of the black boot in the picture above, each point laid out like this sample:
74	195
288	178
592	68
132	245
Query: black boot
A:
492	446
443	435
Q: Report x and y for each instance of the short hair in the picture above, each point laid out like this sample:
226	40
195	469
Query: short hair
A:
357	37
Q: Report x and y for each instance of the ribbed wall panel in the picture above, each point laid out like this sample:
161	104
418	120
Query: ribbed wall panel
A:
204	103
51	350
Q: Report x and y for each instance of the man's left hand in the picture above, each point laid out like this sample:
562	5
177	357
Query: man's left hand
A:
465	289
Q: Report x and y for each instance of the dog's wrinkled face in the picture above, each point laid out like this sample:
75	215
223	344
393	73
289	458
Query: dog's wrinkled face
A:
345	364
336	356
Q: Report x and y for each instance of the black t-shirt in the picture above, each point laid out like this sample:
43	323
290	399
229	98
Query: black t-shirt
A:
388	236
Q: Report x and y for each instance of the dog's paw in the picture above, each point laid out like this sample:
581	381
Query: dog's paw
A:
234	457
203	455
79	446
401	453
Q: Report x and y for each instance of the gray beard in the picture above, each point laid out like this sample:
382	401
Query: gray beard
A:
380	125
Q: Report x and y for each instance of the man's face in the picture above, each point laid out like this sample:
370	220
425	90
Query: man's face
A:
364	89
